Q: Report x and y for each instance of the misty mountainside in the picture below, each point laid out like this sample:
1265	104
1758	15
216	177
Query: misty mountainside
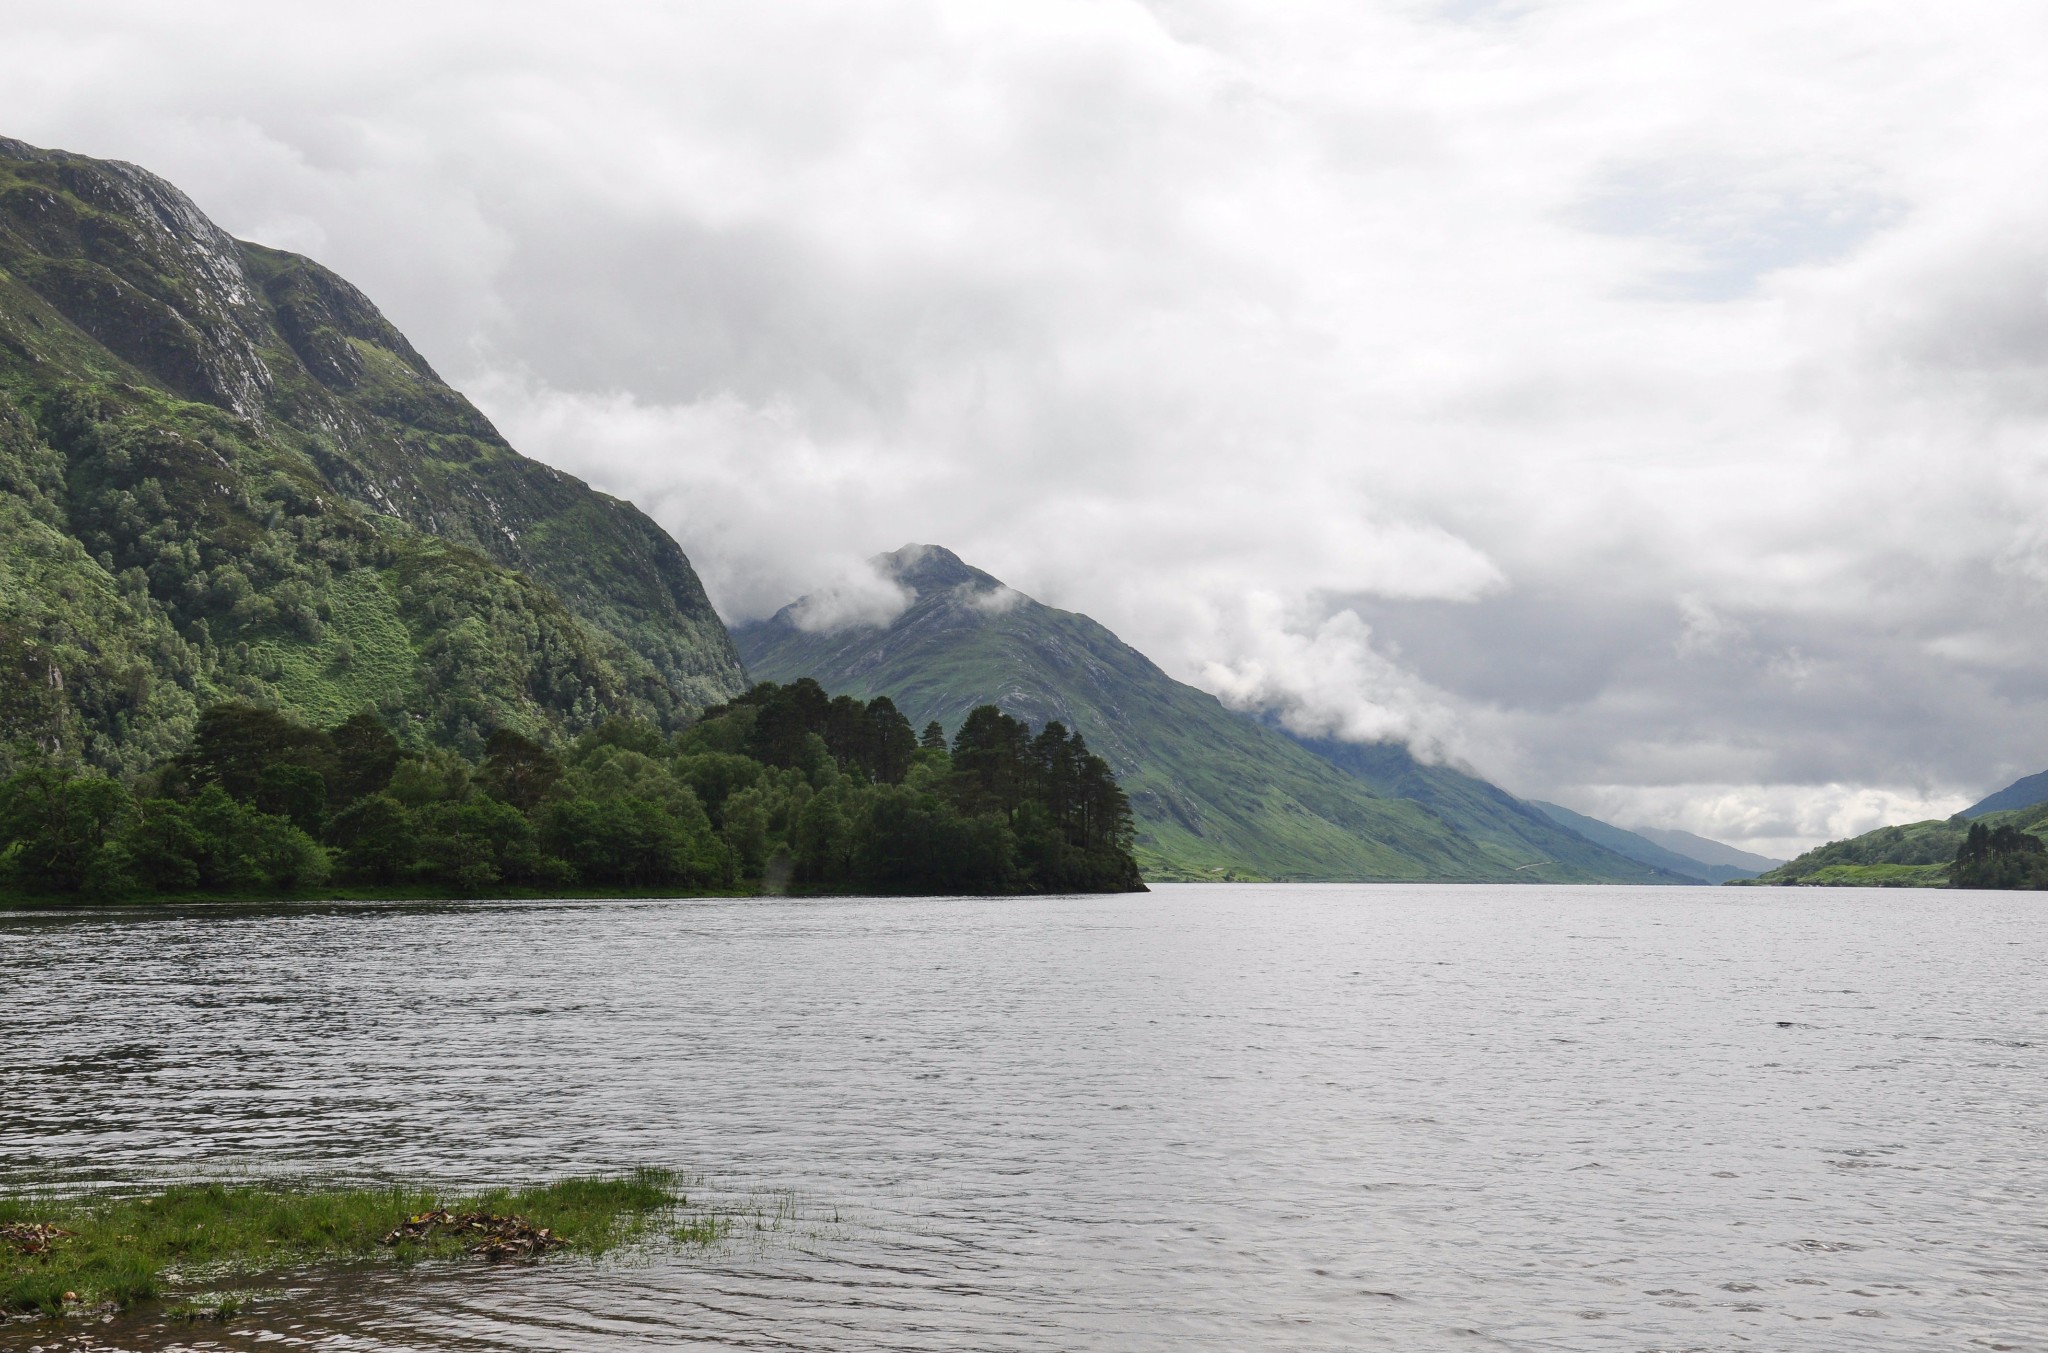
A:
1481	810
1638	845
1214	794
223	473
2024	792
1705	850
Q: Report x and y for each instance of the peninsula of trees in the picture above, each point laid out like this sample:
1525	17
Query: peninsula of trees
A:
783	788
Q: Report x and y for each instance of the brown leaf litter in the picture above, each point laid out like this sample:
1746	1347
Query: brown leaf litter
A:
31	1237
492	1236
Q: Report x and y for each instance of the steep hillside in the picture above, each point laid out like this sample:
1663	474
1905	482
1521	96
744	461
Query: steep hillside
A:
223	472
1215	794
1641	846
2022	793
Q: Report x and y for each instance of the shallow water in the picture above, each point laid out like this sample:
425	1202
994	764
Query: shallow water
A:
1214	1117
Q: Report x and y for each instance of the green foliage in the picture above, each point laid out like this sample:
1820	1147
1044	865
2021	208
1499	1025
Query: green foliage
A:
2001	856
1927	848
713	776
1877	876
633	842
262	803
365	755
88	666
225	845
468	846
125	1250
296	793
378	839
235	745
858	803
518	770
225	476
62	833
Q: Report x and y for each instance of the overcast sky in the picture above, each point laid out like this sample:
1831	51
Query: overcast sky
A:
1642	402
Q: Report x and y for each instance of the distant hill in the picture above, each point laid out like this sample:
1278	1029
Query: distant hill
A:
224	474
1708	851
1627	843
1215	794
2022	793
1483	811
1914	855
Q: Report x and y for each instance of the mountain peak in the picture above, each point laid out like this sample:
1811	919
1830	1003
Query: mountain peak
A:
1212	791
931	568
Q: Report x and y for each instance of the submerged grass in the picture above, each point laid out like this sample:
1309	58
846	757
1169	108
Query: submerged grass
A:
121	1251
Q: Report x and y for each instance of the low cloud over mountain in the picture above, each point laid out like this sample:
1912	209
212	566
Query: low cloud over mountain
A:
1643	406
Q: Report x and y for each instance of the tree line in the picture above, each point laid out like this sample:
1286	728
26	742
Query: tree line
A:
1999	857
783	787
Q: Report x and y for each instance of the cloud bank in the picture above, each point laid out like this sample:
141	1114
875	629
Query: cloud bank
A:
1646	403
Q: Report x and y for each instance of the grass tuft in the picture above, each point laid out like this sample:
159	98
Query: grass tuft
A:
207	1306
121	1251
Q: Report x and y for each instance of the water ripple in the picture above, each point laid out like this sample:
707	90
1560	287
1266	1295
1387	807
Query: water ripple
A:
1215	1117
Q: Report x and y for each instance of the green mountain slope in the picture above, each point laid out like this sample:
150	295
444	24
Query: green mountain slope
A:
1915	855
1486	812
1215	794
1637	847
224	473
2021	793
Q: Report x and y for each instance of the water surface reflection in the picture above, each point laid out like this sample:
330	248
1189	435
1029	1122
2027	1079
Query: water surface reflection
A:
1217	1117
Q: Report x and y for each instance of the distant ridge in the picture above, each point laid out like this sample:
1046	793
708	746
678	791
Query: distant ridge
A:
2021	793
1215	794
1626	842
1681	852
1706	850
1484	811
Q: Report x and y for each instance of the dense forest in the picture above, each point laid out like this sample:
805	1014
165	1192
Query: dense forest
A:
1999	857
782	788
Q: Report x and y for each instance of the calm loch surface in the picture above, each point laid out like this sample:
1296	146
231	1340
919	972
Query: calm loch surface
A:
1214	1117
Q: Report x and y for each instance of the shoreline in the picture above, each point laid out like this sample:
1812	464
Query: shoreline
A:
75	902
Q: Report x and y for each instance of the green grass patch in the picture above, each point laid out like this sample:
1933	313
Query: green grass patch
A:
365	657
1160	868
1878	876
1915	855
121	1251
208	1306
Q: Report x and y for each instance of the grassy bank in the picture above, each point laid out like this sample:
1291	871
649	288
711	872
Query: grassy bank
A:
68	1252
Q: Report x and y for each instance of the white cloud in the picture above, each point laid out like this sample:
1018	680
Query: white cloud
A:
860	599
1328	681
996	600
1776	820
1642	398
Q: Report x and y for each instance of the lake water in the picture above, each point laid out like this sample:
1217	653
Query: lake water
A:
1214	1117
